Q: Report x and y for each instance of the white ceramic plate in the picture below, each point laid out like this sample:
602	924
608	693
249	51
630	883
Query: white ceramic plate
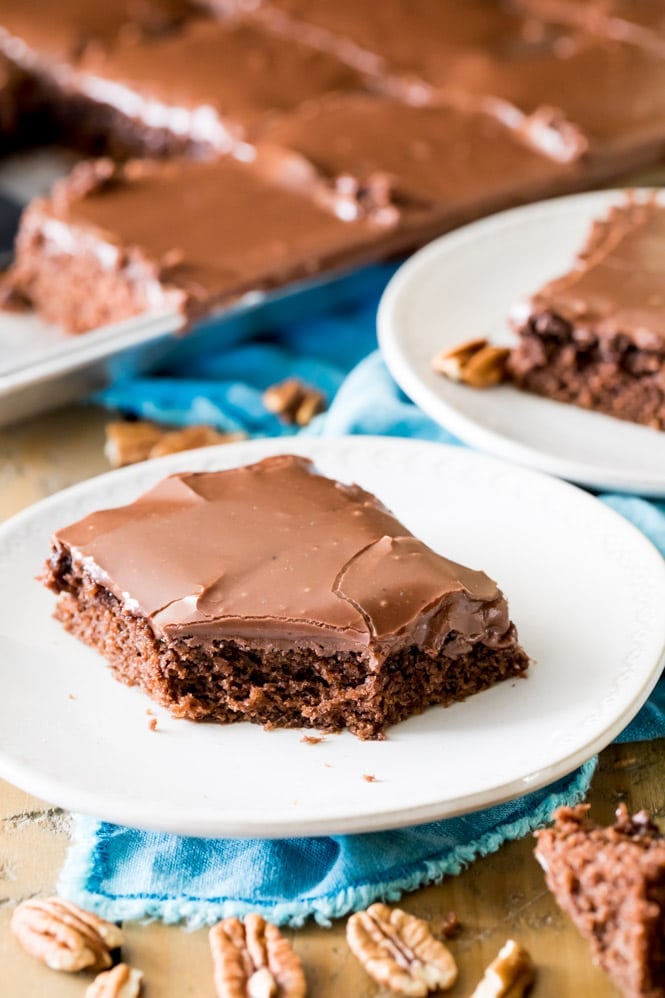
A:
462	286
586	590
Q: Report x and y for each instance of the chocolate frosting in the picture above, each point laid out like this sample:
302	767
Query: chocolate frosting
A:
62	29
612	92
431	154
603	92
212	80
416	37
616	284
639	22
199	232
276	552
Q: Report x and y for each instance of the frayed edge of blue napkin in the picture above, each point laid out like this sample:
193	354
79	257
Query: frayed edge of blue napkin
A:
87	856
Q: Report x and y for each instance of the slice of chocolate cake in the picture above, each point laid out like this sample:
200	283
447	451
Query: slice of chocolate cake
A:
114	241
611	881
272	594
596	336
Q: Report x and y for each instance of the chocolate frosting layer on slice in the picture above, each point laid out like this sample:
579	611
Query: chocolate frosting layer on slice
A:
275	552
416	37
429	155
616	285
211	81
55	30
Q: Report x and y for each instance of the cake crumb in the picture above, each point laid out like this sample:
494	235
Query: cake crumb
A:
370	778
152	724
70	696
450	926
311	740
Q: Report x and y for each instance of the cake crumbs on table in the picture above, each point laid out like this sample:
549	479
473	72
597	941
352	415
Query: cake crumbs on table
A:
370	778
152	724
312	739
451	926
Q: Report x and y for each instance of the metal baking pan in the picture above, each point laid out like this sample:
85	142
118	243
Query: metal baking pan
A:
42	367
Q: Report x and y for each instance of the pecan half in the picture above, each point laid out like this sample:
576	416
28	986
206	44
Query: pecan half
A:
399	951
509	975
294	401
64	936
121	982
127	443
252	959
476	363
190	438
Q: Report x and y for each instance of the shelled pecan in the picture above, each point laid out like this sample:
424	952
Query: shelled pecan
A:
509	975
294	401
128	443
399	951
64	936
252	959
121	982
476	363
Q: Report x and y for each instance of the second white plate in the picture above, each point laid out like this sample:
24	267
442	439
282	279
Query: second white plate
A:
586	590
462	286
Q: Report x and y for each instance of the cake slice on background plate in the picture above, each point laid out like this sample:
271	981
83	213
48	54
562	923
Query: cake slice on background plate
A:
596	336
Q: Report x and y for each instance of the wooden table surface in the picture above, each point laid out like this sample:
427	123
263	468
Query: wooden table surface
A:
499	897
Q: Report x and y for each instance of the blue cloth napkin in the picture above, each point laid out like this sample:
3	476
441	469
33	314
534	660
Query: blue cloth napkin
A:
123	873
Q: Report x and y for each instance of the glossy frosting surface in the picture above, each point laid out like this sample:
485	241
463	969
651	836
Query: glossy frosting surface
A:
225	70
62	29
434	153
276	550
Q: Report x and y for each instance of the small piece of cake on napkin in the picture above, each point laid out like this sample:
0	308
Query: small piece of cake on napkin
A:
596	336
270	593
611	881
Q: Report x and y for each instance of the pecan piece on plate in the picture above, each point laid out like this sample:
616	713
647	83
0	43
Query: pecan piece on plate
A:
476	363
509	975
399	951
252	959
121	982
64	936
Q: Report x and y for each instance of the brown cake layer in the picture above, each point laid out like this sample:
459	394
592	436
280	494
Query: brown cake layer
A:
596	336
12	83
611	881
113	241
272	594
